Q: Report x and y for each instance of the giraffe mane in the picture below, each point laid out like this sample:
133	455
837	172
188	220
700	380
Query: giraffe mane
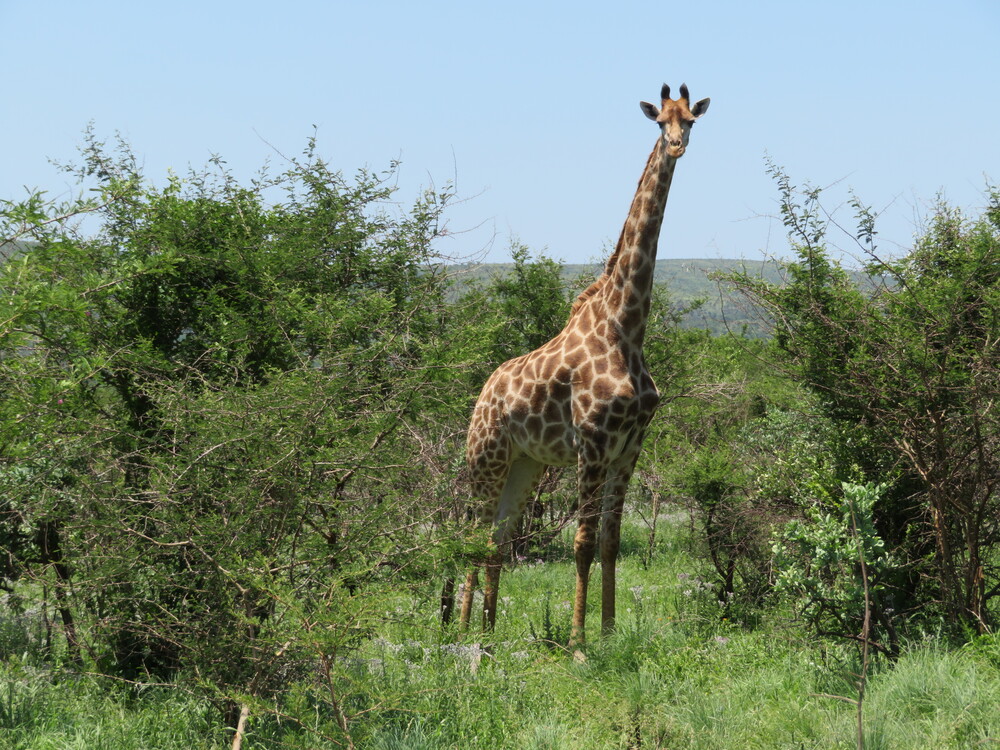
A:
590	291
612	261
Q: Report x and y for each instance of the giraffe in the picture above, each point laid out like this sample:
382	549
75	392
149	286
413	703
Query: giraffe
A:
585	397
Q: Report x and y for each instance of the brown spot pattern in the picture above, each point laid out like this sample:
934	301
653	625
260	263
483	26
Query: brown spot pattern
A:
585	397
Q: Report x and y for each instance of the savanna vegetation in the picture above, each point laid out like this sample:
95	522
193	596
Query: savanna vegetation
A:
231	428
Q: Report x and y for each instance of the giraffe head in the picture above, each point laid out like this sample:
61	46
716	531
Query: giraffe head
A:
675	118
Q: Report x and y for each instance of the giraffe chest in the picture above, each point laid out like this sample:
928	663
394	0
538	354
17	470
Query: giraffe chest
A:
542	427
602	402
615	416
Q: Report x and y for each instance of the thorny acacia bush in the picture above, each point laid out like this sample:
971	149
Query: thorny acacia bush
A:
903	361
223	414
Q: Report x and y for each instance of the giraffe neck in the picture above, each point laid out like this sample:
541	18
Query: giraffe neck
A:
628	286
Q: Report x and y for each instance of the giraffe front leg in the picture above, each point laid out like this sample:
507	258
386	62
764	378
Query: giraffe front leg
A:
611	533
609	556
611	528
584	547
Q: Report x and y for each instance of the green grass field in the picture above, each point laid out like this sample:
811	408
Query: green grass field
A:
676	674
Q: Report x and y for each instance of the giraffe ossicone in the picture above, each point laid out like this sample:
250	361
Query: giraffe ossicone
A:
583	398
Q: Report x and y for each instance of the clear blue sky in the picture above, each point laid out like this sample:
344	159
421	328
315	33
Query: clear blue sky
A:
531	106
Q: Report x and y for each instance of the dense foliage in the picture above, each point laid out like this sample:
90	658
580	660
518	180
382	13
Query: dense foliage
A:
231	420
206	404
903	369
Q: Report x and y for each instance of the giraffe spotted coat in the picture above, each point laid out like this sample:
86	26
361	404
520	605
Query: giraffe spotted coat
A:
585	397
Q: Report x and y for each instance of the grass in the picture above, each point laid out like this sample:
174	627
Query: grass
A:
40	710
675	674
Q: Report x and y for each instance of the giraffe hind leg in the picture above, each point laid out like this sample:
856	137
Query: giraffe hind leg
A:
468	593
488	458
447	600
522	478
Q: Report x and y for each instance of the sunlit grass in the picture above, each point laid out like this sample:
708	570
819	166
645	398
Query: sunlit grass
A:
37	710
675	674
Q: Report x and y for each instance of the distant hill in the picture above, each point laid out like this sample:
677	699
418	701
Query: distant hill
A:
687	281
10	249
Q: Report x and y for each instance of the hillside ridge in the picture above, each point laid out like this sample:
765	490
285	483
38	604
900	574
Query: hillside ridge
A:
688	282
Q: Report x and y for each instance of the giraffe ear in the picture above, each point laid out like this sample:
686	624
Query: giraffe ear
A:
700	107
650	110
